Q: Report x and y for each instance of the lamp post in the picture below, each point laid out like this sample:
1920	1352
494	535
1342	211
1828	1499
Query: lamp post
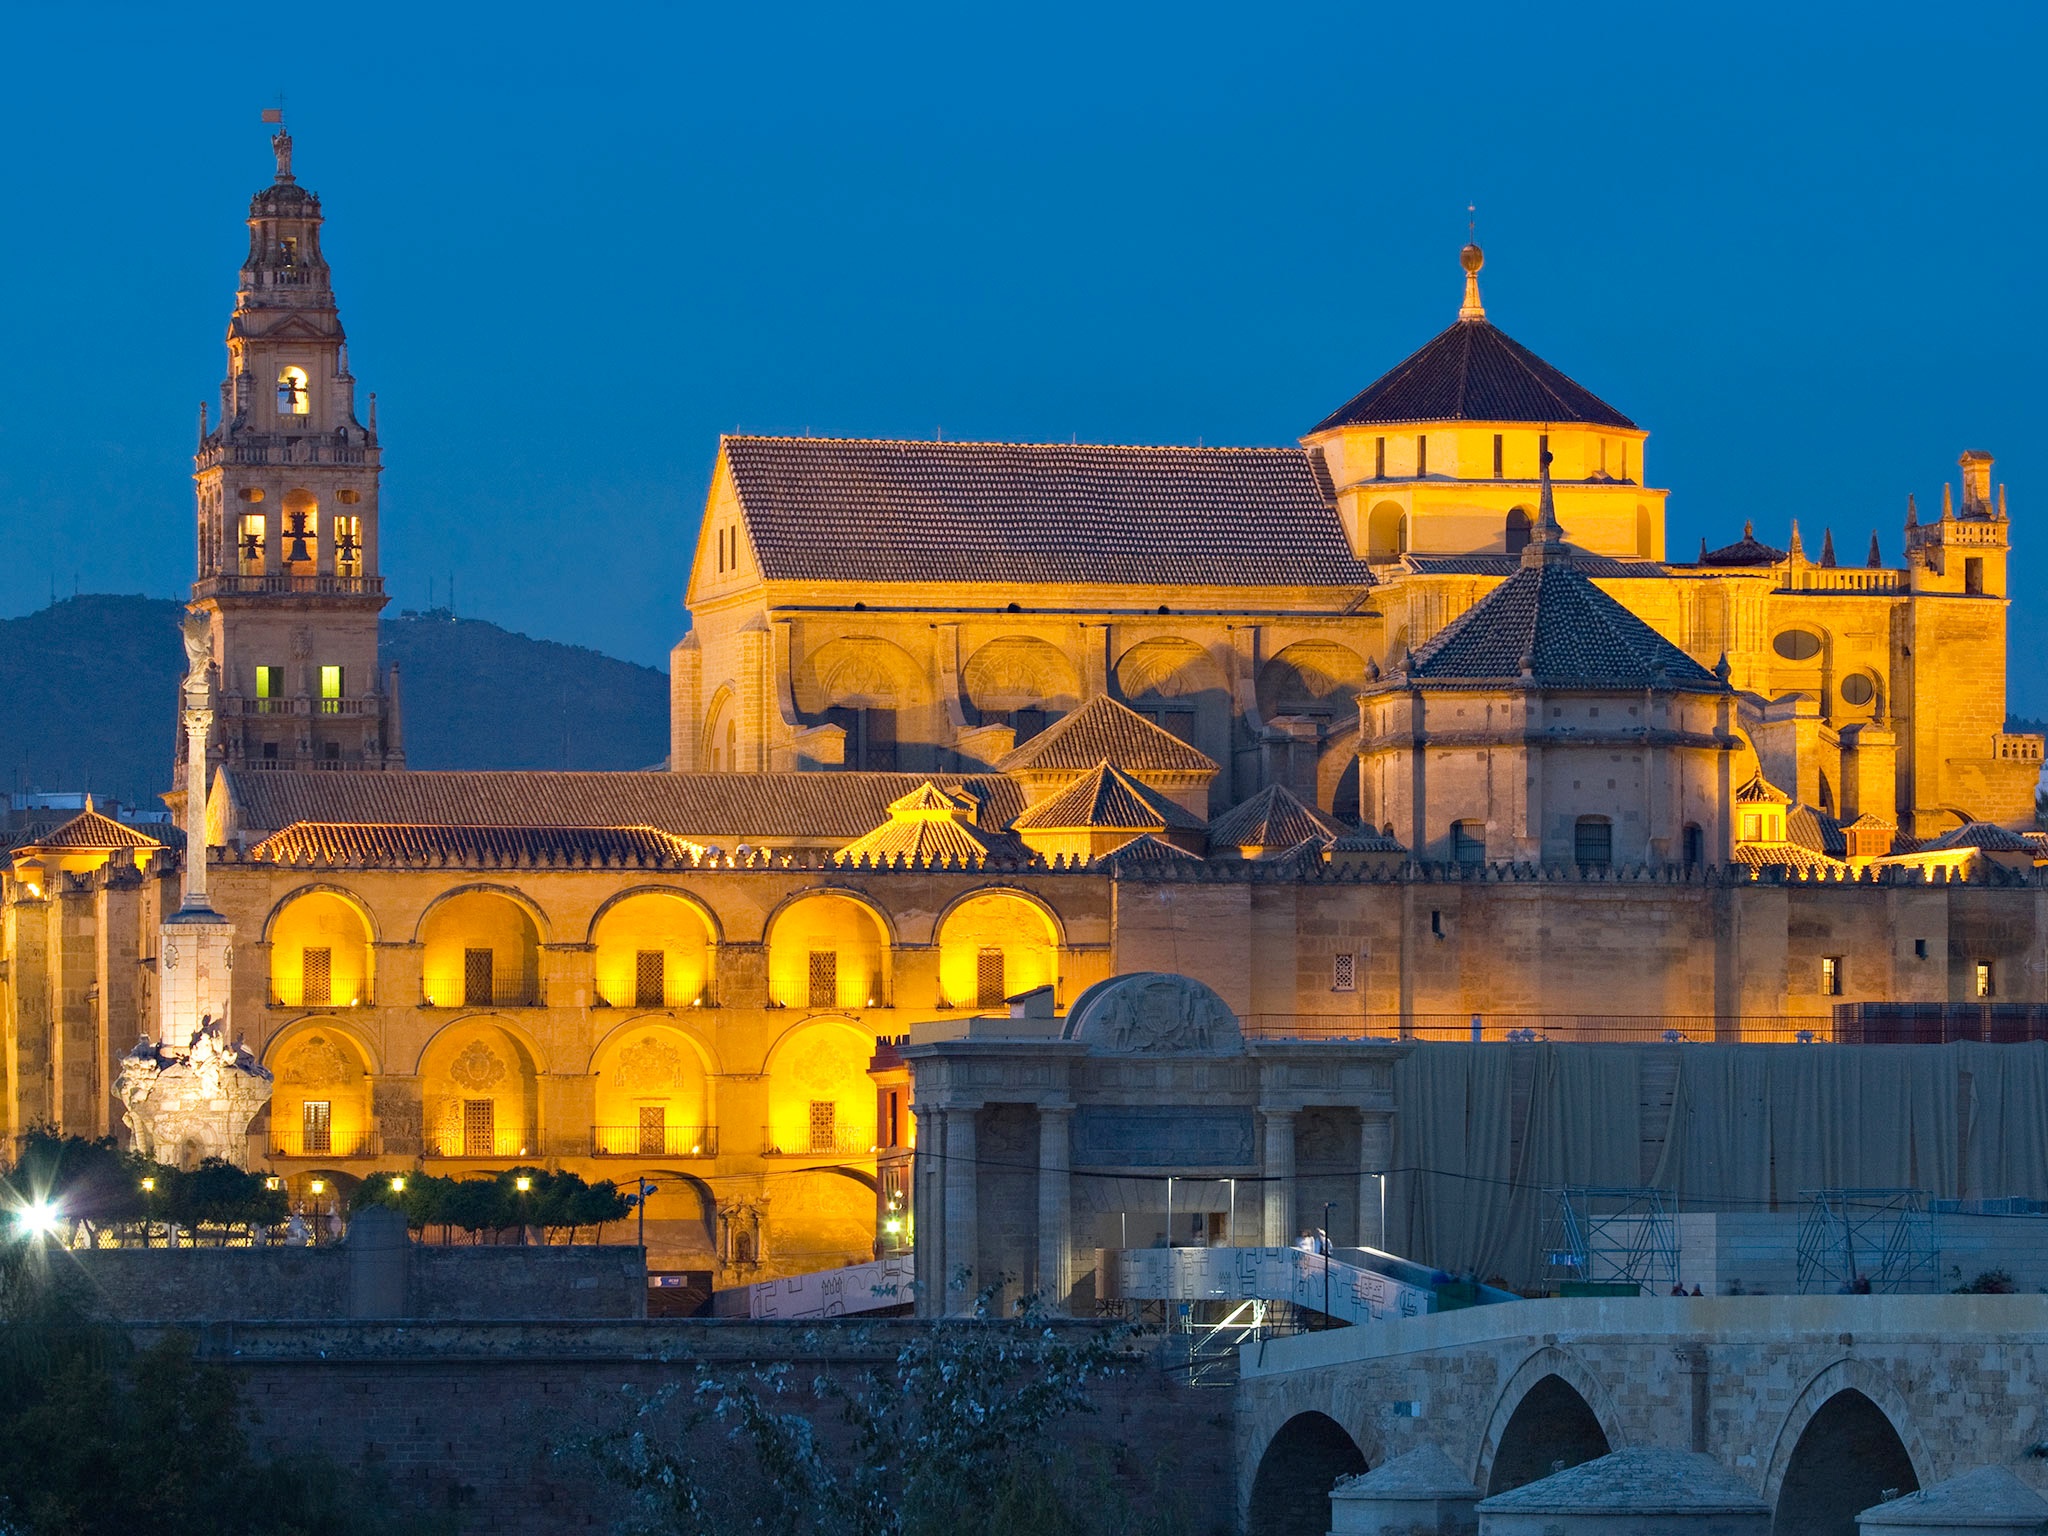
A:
1324	1232
647	1187
524	1184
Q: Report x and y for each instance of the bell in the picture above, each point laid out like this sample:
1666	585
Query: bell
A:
298	554
252	549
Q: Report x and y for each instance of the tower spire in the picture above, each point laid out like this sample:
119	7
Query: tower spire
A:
1471	258
1546	538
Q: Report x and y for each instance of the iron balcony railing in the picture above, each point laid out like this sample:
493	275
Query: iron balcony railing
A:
291	994
501	1146
294	1142
840	1144
289	586
654	1141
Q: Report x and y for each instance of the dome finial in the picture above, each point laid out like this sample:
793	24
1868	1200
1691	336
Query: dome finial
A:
1472	259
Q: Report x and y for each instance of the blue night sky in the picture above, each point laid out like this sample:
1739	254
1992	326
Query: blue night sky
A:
572	245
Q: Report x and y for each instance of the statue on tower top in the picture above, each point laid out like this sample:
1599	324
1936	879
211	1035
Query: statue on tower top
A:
280	142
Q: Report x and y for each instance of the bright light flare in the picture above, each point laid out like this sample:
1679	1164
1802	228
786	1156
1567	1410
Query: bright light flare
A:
39	1218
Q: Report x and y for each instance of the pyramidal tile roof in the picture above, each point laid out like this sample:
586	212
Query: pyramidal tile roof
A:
1647	1481
1273	818
1473	371
1102	730
921	840
854	510
1986	836
1747	550
1106	798
91	832
310	842
1142	851
1550	618
1423	1473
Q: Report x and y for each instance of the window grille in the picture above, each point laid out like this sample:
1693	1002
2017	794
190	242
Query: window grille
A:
989	991
824	1125
477	979
1344	973
650	978
824	978
479	1127
1468	843
1593	841
653	1130
316	978
316	1126
1831	975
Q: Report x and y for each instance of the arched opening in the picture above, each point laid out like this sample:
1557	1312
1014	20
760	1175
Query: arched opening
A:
1551	1428
320	955
721	735
1516	535
652	1098
822	1218
1177	685
480	1094
864	685
1593	842
1386	532
992	947
294	392
320	1106
682	1221
1848	1458
827	951
481	950
821	1101
1020	682
1291	1489
1646	534
653	950
300	532
1695	843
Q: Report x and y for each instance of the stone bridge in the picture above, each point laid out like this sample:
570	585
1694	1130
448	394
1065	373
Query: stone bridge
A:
1823	1404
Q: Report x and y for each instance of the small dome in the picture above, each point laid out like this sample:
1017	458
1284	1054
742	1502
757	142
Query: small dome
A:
1472	258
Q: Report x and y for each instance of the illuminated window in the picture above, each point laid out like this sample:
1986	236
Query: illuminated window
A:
316	1126
270	698
1752	827
653	1129
478	980
330	690
348	546
316	977
1831	975
249	543
1344	973
293	396
988	979
1987	982
824	978
824	1125
650	978
479	1127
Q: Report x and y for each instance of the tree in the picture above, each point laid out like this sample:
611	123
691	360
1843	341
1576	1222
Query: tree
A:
956	1436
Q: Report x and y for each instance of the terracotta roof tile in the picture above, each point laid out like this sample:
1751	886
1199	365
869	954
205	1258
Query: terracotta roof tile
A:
1015	514
312	842
1473	372
1106	798
709	806
1571	633
1602	567
1273	818
91	831
1987	836
1142	851
1102	730
1787	856
1747	550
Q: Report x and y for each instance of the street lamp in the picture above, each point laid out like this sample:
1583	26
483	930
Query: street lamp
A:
1324	1231
39	1219
524	1184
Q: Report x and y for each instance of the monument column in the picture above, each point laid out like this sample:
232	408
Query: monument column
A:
961	1279
1055	1204
1279	1171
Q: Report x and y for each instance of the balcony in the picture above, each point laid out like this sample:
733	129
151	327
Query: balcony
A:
281	448
293	1142
2009	747
840	1145
654	1141
237	704
286	994
523	992
496	1146
282	585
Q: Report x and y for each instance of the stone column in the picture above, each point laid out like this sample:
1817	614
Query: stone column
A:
959	1178
1055	1204
1279	1172
1375	1152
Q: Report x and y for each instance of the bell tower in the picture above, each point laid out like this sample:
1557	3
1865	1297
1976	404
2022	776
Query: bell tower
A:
286	487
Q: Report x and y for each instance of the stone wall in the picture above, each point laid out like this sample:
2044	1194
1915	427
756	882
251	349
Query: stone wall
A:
473	1416
190	1285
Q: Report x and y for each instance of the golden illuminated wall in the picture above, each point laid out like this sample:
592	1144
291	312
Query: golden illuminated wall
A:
1000	939
822	925
818	1065
478	920
321	922
321	1065
472	1064
634	931
652	1094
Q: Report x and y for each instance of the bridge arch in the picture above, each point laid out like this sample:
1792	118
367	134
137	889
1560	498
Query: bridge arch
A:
1552	1410
1301	1463
1847	1441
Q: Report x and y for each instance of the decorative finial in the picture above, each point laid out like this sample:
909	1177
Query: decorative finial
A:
1912	511
1827	547
1546	538
1948	501
1796	551
1472	259
1721	667
281	141
1876	561
1749	527
1703	549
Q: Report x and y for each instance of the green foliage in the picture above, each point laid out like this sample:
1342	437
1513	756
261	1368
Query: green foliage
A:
1992	1282
96	1437
555	1202
97	1182
959	1436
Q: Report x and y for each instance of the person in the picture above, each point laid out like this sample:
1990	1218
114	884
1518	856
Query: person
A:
1322	1241
1696	1290
1678	1287
1308	1241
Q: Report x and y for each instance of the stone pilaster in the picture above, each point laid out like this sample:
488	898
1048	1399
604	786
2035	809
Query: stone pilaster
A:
960	1180
1279	1172
1055	1203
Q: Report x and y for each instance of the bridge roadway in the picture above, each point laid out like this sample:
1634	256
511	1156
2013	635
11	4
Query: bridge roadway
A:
1824	1404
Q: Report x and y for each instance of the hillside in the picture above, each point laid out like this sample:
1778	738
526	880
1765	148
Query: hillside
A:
91	683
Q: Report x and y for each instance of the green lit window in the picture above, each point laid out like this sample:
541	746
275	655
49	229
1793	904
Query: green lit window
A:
330	689
270	682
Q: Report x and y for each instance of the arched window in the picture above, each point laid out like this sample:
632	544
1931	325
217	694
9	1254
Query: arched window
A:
1593	841
294	397
300	533
1645	535
653	950
1516	535
1386	532
481	950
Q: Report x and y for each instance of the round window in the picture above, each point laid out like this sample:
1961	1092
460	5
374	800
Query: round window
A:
1797	645
1858	689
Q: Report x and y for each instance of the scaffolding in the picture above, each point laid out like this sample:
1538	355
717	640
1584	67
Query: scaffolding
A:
1857	1240
1611	1235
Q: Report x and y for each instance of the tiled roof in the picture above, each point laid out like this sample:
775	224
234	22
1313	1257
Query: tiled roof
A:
1016	514
1786	856
1816	830
1569	632
1983	1496
313	842
807	806
1645	1481
1106	798
1423	1473
1985	835
929	825
1474	372
1365	840
1604	567
1747	550
1141	851
1102	730
1758	790
1273	818
91	831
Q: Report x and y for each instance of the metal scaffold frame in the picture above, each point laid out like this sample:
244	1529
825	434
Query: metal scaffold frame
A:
1867	1239
1612	1234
